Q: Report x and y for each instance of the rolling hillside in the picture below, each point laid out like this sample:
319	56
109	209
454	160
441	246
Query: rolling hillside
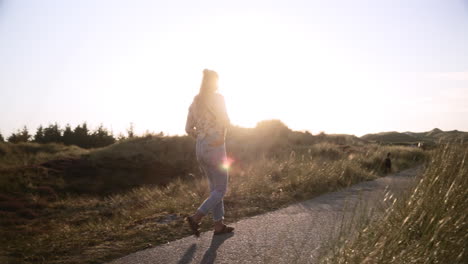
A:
430	137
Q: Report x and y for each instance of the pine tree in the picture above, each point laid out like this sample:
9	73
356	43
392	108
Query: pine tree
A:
130	131
39	136
25	136
101	137
52	133
81	136
68	136
20	136
1	138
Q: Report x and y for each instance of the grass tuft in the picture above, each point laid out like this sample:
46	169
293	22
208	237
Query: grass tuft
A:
430	226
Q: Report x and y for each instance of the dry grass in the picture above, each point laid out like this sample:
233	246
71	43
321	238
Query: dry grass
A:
27	154
429	226
88	228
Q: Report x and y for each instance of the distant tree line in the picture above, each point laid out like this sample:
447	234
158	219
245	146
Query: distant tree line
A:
80	136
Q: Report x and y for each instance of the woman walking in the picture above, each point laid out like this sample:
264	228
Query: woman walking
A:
208	121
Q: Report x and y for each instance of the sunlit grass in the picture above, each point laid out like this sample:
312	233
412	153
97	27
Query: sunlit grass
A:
429	226
91	229
27	154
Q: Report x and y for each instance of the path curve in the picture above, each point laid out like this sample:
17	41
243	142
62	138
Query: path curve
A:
289	235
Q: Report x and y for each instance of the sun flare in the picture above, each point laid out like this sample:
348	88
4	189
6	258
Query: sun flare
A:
226	165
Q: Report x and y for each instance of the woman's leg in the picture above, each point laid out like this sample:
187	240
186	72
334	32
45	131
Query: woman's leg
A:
214	203
211	160
218	216
197	216
217	209
218	212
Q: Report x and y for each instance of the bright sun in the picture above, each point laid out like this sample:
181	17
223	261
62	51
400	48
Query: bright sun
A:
266	71
310	85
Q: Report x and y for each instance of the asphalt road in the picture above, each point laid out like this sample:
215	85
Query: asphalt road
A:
294	234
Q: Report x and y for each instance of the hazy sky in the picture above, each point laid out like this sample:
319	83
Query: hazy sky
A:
336	66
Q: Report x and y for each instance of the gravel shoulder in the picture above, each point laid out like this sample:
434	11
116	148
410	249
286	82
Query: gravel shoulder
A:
290	235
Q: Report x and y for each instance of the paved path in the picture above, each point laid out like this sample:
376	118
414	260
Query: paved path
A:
289	235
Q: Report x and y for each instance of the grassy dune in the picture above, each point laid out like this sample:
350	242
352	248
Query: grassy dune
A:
98	217
429	226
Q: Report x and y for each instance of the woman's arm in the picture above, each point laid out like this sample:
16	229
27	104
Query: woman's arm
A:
190	124
224	116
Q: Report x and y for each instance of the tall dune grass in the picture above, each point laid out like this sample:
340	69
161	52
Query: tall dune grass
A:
27	154
92	229
430	226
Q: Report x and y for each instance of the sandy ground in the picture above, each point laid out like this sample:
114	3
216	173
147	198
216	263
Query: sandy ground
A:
294	234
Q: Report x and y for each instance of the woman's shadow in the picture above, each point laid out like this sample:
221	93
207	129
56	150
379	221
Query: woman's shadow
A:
210	254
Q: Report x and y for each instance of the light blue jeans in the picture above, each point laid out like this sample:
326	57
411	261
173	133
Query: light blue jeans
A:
210	160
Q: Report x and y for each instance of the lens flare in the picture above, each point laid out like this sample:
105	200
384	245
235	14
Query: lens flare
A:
227	163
